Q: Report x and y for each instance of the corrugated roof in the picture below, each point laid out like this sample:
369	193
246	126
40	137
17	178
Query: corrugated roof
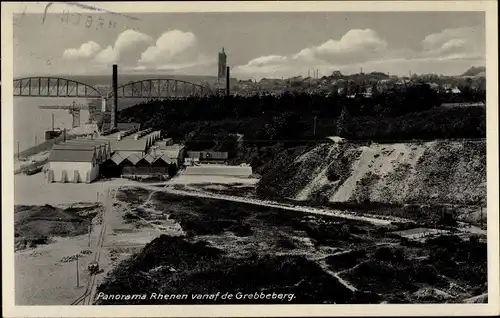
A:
149	158
128	144
134	158
127	126
99	142
167	159
117	158
74	146
68	155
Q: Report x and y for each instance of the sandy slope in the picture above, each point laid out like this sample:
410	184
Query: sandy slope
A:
439	172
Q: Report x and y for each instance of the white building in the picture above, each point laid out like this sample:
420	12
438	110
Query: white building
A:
76	161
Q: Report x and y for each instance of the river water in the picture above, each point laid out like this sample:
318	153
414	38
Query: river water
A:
31	122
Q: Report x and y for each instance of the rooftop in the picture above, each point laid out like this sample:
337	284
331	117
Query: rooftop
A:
71	155
129	143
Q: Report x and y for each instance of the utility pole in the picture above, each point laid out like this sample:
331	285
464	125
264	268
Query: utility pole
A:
228	84
18	153
90	230
77	273
314	130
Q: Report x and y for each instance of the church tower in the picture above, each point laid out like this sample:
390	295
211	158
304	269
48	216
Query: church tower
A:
221	74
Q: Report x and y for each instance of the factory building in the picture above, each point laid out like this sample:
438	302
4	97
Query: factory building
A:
208	156
76	161
170	154
120	153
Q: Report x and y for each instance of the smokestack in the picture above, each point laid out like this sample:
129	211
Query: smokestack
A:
227	81
52	121
114	109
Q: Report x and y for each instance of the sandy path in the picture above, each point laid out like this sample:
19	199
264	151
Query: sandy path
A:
41	279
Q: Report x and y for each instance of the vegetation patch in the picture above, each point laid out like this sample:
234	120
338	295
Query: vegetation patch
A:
203	269
35	225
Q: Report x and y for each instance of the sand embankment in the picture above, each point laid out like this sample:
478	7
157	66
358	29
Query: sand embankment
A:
437	172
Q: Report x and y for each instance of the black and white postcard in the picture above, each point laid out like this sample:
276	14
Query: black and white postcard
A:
290	158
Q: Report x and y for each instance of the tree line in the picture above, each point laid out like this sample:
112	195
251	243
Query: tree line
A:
411	113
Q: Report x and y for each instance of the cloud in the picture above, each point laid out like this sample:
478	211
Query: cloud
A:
126	49
365	48
173	46
174	50
357	45
459	43
85	51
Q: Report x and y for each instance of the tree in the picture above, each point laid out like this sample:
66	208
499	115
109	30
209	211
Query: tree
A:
342	122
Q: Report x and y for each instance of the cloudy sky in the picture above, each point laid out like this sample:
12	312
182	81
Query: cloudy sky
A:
258	45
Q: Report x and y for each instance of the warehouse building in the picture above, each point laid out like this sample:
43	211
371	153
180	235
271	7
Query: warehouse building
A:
76	161
208	156
116	154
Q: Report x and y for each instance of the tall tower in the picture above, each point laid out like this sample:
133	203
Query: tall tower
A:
221	74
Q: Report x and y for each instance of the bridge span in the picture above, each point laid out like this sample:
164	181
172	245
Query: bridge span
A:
149	88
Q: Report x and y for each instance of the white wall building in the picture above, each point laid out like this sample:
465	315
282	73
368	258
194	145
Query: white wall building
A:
76	162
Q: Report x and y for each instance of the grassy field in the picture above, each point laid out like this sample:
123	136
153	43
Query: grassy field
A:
234	247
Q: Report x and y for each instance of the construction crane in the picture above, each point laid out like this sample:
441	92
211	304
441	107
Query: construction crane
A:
74	109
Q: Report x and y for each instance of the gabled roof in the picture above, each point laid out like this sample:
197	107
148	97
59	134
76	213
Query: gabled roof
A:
68	155
149	158
117	158
134	158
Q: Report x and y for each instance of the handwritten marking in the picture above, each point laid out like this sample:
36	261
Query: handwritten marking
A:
88	21
79	18
22	15
86	6
100	23
45	11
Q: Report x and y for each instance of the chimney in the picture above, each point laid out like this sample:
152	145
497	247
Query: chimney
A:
227	81
114	109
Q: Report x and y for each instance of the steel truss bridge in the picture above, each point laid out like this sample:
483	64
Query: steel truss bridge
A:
149	88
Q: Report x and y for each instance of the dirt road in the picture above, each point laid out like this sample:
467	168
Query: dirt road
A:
93	280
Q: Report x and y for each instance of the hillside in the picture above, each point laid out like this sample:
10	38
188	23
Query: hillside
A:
475	71
437	172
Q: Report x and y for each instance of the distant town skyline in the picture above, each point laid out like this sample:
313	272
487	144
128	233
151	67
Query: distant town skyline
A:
265	44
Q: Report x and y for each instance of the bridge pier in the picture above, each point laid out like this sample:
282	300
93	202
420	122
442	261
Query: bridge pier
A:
103	104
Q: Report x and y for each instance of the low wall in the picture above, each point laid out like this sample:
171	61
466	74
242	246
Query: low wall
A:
44	146
219	170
